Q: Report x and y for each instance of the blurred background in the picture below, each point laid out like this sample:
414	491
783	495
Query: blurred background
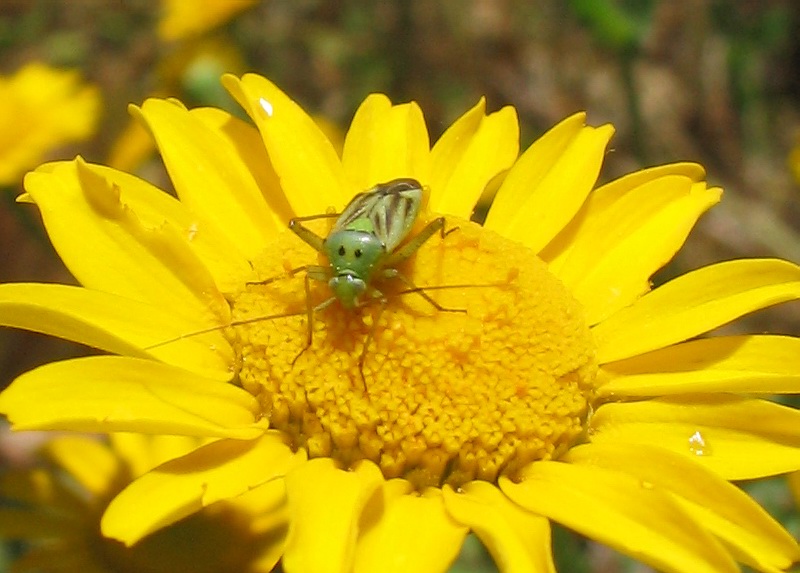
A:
711	81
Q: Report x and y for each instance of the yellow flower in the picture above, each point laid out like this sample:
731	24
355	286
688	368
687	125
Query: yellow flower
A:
560	388
181	19
40	109
56	508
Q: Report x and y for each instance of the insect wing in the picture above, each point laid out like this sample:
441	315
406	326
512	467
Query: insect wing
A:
387	210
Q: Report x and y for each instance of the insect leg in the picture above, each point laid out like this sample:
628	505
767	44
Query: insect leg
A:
411	247
394	273
290	272
317	273
370	335
309	236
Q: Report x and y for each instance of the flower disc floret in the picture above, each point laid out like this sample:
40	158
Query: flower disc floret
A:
499	379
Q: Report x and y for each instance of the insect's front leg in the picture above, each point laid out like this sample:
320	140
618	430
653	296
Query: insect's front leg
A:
309	236
315	273
411	247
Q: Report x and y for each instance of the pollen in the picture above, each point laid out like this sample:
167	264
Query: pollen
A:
486	366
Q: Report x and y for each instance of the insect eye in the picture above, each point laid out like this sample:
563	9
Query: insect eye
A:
342	251
357	253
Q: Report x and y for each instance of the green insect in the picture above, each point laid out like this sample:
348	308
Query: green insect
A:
362	245
366	244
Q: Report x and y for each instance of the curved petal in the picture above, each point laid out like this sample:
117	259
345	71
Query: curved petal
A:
385	142
178	488
43	109
142	452
325	504
306	163
155	208
754	537
606	198
87	460
620	511
118	394
695	303
115	324
739	438
472	152
617	249
741	364
549	183
411	533
114	251
250	149
519	541
209	176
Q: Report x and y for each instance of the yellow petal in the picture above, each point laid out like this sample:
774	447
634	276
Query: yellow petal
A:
755	538
88	461
622	512
114	251
739	438
141	452
606	198
410	532
695	303
741	364
131	148
474	150
519	541
43	109
114	324
178	488
549	183
209	176
155	208
305	161
180	19
250	150
617	246
385	142
325	504
118	394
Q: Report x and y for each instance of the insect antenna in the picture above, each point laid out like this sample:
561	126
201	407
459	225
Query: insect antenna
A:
240	322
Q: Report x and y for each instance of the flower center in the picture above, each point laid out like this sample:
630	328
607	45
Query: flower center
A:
497	377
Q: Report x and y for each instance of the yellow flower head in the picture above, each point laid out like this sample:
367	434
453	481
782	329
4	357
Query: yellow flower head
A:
56	507
480	377
41	108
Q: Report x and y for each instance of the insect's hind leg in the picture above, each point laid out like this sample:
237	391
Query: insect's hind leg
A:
394	273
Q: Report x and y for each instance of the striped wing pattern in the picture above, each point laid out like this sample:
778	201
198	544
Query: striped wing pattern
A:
389	208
